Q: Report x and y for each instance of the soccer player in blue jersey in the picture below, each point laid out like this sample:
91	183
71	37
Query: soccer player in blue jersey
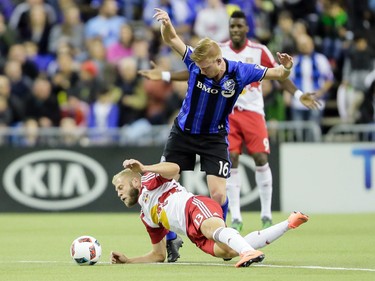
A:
201	127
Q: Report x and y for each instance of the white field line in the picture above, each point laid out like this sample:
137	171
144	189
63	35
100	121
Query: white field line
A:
227	264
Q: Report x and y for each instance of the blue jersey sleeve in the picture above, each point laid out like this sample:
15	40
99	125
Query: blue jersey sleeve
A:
186	59
251	72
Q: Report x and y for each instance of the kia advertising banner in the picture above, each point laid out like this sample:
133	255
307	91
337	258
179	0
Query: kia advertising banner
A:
65	179
79	179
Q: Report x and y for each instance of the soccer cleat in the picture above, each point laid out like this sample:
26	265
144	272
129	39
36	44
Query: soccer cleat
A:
249	257
266	222
296	219
173	246
237	224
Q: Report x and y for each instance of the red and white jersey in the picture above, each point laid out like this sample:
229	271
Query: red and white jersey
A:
251	97
163	204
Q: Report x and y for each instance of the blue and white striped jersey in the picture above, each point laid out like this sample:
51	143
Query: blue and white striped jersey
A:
208	103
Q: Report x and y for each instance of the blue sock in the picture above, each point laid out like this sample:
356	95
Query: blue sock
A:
224	207
171	235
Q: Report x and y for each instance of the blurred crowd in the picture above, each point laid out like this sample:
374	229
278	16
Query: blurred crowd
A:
73	63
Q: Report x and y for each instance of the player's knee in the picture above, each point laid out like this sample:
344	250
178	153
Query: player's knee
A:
219	197
260	159
234	158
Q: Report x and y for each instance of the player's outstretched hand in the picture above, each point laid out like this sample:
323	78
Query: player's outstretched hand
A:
133	165
152	74
117	257
310	101
285	60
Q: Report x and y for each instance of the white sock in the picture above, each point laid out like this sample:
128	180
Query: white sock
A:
261	238
263	177
232	238
233	193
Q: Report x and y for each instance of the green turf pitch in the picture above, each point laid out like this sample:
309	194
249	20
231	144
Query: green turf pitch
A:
35	247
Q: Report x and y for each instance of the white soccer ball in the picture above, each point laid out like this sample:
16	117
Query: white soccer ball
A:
86	250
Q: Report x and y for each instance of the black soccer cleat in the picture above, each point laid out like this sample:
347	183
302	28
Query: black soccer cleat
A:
173	246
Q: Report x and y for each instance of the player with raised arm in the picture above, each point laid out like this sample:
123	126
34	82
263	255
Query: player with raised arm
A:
201	127
166	205
247	123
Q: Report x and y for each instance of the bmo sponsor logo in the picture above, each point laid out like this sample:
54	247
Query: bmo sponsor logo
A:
54	180
227	94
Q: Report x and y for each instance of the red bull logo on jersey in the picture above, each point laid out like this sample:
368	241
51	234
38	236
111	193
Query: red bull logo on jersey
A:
225	93
145	197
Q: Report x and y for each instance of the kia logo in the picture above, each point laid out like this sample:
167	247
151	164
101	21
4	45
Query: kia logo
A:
54	180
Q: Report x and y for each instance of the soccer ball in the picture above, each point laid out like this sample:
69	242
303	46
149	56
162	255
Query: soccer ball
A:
85	250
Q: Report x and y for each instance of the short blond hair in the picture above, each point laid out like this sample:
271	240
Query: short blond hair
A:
206	49
127	174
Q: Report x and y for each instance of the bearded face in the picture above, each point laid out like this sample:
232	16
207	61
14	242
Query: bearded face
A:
132	197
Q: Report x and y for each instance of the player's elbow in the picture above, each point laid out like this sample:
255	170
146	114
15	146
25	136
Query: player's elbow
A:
175	168
172	170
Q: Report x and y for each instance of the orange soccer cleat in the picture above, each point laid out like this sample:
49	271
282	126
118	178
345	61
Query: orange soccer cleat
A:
249	257
296	219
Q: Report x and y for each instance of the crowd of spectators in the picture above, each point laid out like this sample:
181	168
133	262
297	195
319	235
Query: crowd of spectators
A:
73	63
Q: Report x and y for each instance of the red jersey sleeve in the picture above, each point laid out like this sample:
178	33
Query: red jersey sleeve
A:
156	234
152	181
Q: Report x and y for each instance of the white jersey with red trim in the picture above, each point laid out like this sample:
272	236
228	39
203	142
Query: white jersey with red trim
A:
163	203
251	97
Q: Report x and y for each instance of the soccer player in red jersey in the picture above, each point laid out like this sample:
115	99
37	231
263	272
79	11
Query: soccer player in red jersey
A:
168	206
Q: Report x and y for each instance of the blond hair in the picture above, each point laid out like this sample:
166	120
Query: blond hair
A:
206	49
127	174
